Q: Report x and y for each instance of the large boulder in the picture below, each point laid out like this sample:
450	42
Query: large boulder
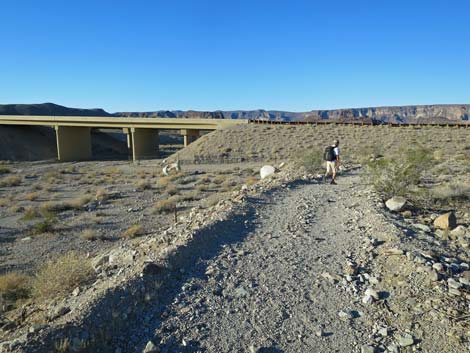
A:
396	203
266	171
447	221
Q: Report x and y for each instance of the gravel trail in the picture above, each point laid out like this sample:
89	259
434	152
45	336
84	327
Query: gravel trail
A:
275	290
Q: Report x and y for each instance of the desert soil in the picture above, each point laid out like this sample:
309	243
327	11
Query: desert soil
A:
283	286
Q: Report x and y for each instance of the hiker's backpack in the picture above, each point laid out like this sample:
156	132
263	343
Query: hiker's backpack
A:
329	154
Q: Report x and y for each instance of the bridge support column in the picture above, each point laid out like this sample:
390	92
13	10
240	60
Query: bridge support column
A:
73	143
144	143
189	136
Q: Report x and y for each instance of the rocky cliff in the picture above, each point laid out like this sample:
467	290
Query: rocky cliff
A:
404	114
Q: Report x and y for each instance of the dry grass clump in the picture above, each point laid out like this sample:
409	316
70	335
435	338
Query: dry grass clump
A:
219	179
13	180
78	203
142	185
165	206
102	195
45	225
204	181
251	180
171	190
52	176
4	170
31	196
452	192
133	231
16	209
89	235
202	188
189	196
60	276
14	286
212	200
163	182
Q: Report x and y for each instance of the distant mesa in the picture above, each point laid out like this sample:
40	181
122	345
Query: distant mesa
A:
443	113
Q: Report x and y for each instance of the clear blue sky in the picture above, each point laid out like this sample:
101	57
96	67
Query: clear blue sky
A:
240	54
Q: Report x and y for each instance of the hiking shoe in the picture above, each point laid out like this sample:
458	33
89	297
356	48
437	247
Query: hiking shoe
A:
333	182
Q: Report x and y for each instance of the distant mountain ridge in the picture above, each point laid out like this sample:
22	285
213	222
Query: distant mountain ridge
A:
401	114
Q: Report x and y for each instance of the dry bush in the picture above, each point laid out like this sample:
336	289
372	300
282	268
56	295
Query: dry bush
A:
456	191
31	213
142	185
4	170
89	234
311	160
45	225
16	209
165	206
202	188
219	179
61	276
212	200
204	181
13	180
171	190
31	196
251	180
52	176
14	286
55	207
163	182
4	202
189	196
69	170
133	231
78	203
102	195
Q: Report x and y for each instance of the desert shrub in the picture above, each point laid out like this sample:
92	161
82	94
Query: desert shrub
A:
79	202
60	276
456	191
171	190
189	196
102	195
163	182
251	180
31	196
89	234
164	206
212	200
202	188
143	185
219	179
14	286
31	213
311	160
13	180
399	175
4	170
16	209
133	231
45	225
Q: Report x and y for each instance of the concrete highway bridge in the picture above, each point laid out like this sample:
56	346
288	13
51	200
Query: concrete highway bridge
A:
73	133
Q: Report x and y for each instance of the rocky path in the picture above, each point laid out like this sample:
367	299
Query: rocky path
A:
277	290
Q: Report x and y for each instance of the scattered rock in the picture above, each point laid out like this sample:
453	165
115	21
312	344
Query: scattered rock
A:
452	283
396	203
422	227
405	340
367	349
151	348
446	221
458	232
266	171
438	266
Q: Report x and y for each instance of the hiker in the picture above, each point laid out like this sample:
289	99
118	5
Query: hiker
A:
331	156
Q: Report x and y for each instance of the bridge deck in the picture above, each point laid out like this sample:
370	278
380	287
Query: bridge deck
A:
118	122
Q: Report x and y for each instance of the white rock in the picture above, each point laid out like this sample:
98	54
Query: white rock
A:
373	293
438	266
151	348
266	171
396	203
459	231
